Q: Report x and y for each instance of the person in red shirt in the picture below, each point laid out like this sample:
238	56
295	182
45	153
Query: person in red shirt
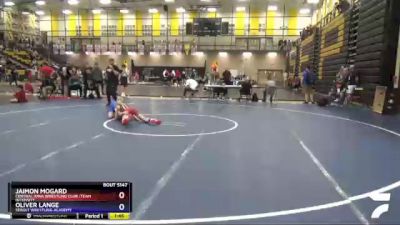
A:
46	71
178	76
19	95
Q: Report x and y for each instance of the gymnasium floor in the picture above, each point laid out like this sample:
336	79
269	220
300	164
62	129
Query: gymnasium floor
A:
213	162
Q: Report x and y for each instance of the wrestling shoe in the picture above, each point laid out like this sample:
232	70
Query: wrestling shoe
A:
154	122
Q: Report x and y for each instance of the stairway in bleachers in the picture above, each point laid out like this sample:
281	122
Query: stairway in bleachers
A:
353	33
294	60
334	50
308	51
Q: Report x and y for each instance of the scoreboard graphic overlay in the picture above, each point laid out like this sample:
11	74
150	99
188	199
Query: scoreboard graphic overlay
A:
70	200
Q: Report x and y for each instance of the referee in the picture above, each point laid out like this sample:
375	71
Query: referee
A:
112	73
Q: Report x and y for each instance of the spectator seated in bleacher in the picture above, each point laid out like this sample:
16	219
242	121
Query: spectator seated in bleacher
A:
342	6
74	84
89	83
48	81
245	90
20	96
47	88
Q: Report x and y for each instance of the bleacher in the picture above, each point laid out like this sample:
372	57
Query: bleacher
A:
357	37
20	56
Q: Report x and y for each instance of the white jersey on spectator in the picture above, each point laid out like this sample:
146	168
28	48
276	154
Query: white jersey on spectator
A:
191	83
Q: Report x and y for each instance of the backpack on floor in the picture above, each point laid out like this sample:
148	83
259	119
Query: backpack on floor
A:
254	98
321	100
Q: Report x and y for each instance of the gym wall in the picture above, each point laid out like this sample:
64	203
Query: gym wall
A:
234	60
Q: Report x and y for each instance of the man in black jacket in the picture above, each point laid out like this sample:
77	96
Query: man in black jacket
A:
112	73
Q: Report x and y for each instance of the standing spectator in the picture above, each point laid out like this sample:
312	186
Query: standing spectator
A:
2	73
191	86
285	79
166	75
64	79
173	77
308	85
178	76
74	83
98	77
14	76
271	88
124	79
112	74
87	78
227	76
46	72
136	77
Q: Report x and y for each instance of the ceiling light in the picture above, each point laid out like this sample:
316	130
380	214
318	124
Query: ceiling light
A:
67	11
240	9
40	13
124	11
25	13
105	2
272	8
313	1
40	3
272	54
96	11
9	3
211	9
169	1
205	0
247	54
304	11
73	2
180	10
153	10
223	54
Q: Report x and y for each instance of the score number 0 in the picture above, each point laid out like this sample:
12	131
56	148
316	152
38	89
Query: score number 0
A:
121	206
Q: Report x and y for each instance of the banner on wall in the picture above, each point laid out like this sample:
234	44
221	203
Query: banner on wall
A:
62	49
178	47
56	48
164	49
97	49
89	48
118	49
156	47
396	80
187	49
171	47
103	48
141	49
113	48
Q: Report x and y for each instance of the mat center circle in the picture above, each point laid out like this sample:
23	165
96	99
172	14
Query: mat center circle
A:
176	125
